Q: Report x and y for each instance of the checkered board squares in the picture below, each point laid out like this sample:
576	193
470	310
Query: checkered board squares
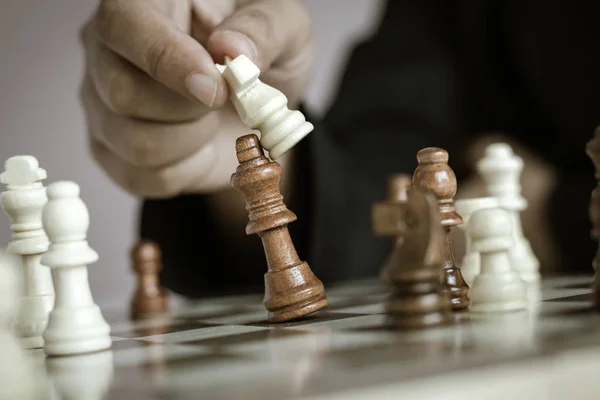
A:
225	348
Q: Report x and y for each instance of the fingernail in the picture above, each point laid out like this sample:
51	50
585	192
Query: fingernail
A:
202	87
241	42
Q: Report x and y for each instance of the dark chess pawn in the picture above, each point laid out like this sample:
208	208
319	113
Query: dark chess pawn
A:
592	149
418	298
150	298
433	174
291	289
397	187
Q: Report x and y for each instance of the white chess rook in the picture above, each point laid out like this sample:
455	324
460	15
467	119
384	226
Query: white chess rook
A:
497	287
23	203
469	267
263	107
501	171
76	324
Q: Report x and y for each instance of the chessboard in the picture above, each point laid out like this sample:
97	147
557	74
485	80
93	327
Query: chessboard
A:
224	348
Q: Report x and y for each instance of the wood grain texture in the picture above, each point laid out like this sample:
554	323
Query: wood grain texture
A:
434	175
291	289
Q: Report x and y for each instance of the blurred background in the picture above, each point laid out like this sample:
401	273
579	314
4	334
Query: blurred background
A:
41	64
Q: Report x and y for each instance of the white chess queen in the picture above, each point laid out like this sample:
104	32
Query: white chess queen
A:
76	324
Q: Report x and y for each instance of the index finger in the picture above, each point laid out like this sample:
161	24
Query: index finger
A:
147	38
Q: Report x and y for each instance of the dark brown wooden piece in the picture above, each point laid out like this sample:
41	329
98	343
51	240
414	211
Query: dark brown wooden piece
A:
291	289
150	298
592	149
419	298
397	188
433	174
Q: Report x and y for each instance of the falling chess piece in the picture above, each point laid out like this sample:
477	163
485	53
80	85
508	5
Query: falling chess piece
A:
76	324
150	298
23	202
291	289
419	299
433	174
397	188
501	171
466	208
497	287
263	107
592	149
18	379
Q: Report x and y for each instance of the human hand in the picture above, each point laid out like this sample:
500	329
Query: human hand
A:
156	106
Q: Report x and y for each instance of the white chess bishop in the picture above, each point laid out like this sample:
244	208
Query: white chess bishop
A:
263	107
501	171
76	324
23	202
497	287
469	267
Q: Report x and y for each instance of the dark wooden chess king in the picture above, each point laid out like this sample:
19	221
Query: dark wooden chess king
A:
291	289
433	174
150	298
418	298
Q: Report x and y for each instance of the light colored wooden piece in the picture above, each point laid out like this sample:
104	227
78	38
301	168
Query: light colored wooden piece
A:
76	324
23	203
18	378
466	207
497	287
263	107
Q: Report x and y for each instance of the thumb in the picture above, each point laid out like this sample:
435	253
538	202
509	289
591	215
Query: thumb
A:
266	31
143	35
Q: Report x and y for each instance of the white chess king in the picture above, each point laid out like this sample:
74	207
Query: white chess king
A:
23	201
76	324
263	107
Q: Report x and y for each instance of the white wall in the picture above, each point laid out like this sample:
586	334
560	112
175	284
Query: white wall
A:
40	69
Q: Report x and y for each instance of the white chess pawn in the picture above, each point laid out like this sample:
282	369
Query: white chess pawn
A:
18	379
263	107
497	287
23	202
76	324
501	171
469	267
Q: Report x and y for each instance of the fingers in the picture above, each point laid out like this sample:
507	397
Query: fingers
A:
156	182
143	143
128	91
266	31
153	42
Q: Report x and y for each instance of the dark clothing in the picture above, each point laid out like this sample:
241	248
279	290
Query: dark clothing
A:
437	73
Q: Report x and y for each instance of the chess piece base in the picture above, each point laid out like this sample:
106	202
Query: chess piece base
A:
146	307
298	311
32	319
77	331
293	293
417	310
496	293
516	305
